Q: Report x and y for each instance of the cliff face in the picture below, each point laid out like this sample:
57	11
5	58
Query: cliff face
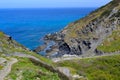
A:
86	34
82	37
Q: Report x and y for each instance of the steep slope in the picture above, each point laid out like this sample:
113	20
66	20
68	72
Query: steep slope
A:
111	43
83	37
86	34
19	63
97	34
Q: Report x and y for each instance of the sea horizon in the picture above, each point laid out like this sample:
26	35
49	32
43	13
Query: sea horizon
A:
51	8
29	25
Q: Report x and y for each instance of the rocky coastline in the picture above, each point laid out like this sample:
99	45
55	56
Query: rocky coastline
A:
89	37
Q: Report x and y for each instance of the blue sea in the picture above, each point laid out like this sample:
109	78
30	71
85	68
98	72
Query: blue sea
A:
29	26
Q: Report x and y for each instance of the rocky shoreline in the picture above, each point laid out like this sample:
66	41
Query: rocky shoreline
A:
90	36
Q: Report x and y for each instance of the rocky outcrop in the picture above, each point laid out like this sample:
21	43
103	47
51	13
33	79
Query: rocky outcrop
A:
82	40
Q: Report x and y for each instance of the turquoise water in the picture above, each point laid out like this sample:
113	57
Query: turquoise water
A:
29	26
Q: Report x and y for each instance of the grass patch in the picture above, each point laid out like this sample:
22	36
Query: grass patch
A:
1	34
11	46
25	69
112	43
44	59
102	68
1	67
28	71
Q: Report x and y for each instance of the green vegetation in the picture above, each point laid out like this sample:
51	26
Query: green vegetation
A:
11	46
26	70
113	4
1	34
46	60
112	43
1	67
106	13
102	68
99	68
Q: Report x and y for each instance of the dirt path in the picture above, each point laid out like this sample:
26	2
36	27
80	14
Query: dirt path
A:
80	57
66	71
61	74
7	69
25	56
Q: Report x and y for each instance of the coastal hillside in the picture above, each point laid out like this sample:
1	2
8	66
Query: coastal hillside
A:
86	35
19	63
87	49
96	41
95	34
